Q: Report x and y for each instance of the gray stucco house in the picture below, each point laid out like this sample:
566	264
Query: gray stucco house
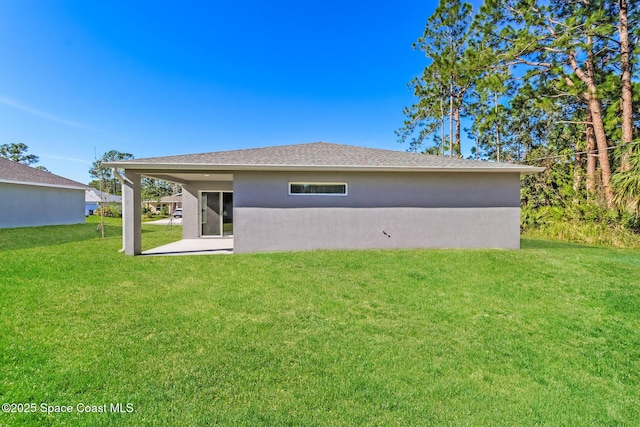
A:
330	196
32	197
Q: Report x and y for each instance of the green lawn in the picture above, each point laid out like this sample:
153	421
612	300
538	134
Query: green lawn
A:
548	335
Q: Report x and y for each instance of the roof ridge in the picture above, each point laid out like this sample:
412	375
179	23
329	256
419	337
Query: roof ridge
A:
20	173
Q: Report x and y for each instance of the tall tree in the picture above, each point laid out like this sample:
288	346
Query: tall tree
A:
17	152
425	116
448	76
591	155
553	83
625	77
104	175
487	110
566	42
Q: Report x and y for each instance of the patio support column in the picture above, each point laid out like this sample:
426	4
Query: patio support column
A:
131	213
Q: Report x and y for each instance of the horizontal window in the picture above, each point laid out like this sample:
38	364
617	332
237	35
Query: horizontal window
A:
318	188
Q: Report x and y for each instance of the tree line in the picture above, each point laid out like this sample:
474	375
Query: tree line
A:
549	83
105	179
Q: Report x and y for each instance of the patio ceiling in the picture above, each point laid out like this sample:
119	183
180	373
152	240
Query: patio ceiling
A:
182	177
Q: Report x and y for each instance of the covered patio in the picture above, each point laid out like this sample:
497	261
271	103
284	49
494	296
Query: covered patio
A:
206	221
193	247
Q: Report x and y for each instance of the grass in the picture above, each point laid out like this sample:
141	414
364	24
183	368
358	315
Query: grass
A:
587	233
546	335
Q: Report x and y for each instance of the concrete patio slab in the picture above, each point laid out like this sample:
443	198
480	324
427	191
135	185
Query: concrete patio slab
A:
205	246
166	221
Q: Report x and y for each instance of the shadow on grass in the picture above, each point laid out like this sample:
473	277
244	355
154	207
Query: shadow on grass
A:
33	237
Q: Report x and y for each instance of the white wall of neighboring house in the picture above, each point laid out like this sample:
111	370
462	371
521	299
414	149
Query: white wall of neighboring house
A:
33	205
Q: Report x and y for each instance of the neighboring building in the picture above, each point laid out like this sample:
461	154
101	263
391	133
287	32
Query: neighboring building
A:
330	196
171	203
32	197
95	198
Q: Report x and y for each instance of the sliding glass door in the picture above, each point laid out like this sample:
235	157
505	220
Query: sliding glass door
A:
227	214
216	213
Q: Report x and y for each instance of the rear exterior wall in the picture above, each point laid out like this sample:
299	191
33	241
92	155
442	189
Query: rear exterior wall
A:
381	210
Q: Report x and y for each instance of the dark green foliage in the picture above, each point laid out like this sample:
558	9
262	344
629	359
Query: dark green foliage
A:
113	210
17	152
443	86
547	74
554	186
106	180
627	183
585	223
155	189
152	189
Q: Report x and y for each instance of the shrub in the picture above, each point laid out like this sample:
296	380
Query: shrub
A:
582	223
112	210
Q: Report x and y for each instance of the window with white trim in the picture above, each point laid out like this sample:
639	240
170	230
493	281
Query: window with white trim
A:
317	188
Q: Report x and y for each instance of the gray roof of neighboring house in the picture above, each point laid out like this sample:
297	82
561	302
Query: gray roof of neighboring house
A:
91	195
319	156
17	173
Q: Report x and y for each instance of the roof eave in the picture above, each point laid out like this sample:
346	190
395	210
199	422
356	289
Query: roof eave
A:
186	167
43	184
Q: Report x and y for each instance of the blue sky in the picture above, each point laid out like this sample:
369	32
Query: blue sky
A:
158	78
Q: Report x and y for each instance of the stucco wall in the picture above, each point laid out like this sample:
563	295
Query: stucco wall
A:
30	205
439	210
428	190
282	229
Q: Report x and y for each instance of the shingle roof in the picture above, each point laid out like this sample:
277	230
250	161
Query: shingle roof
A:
18	173
319	156
91	195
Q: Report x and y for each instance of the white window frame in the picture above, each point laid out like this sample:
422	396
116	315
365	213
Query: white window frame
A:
346	188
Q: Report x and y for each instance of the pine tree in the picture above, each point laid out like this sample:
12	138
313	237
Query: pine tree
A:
449	76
